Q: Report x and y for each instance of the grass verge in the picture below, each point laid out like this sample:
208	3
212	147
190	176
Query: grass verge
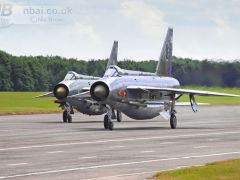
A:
214	100
24	103
227	170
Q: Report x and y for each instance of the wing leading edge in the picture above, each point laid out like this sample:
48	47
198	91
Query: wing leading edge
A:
49	94
181	91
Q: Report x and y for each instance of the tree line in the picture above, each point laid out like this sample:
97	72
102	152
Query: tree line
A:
42	73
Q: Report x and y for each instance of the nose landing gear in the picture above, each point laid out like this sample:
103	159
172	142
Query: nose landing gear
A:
68	110
108	124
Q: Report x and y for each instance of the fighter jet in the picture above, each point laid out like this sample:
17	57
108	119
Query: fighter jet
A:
73	84
143	95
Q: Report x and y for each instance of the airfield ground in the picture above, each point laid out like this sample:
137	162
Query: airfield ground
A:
42	147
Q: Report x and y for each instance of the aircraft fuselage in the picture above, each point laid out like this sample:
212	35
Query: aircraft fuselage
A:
121	98
84	106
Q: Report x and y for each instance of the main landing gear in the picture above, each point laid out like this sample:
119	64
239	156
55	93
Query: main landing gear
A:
173	118
173	121
68	110
108	124
119	116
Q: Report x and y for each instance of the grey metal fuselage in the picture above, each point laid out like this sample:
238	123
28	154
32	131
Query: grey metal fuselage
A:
85	106
154	103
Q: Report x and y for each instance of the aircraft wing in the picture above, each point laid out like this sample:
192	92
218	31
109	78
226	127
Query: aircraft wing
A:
49	94
180	91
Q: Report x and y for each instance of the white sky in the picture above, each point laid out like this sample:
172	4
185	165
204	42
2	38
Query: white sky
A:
202	28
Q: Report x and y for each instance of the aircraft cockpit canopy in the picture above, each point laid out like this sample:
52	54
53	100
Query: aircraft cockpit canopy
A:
112	71
71	75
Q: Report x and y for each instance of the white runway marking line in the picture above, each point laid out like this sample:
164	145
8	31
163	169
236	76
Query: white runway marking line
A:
116	147
88	157
199	147
212	139
144	152
121	140
117	164
17	164
54	152
167	143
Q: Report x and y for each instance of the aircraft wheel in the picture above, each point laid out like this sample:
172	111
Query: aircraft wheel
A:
113	115
69	118
105	122
65	118
119	116
110	125
173	121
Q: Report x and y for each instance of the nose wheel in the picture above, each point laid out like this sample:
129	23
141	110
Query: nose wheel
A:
108	124
68	110
67	118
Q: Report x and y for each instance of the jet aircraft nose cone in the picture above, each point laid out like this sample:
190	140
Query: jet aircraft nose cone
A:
100	91
61	91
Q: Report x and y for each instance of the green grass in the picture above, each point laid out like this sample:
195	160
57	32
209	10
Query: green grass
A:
214	100
24	103
225	170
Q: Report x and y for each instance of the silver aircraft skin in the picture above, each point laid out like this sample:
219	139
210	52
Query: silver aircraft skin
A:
126	94
75	83
142	95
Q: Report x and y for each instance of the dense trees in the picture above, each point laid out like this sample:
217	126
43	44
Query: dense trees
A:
28	73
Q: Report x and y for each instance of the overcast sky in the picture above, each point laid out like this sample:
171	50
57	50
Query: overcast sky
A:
202	28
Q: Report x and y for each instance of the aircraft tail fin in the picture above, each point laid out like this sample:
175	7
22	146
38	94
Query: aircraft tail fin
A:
113	56
164	66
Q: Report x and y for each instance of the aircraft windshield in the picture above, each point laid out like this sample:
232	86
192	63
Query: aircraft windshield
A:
111	72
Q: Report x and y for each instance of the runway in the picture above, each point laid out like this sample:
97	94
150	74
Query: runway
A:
42	147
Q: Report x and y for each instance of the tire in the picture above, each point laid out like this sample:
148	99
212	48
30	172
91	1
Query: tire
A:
65	118
105	123
119	116
69	119
110	125
173	121
113	115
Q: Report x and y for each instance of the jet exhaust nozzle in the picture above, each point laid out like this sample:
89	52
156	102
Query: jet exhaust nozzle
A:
61	91
99	91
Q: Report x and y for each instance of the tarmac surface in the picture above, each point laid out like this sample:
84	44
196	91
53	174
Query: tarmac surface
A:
42	147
